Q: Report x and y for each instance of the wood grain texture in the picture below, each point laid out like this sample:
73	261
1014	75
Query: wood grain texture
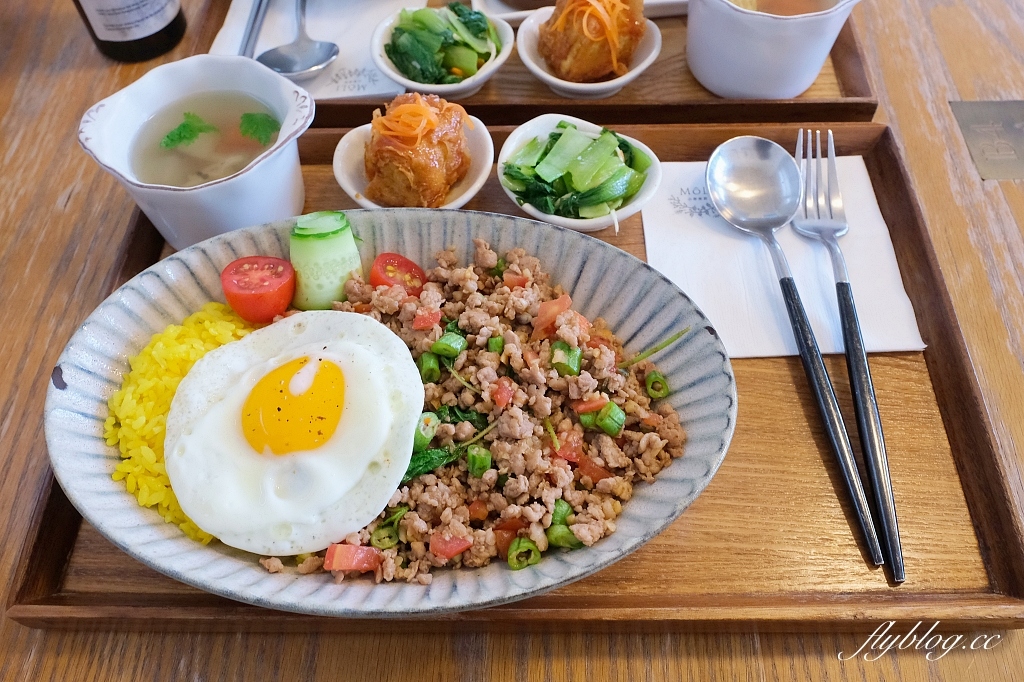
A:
63	220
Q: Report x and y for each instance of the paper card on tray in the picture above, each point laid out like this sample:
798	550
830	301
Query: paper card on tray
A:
730	276
347	23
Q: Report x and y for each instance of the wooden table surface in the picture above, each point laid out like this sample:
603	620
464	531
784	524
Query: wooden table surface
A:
63	218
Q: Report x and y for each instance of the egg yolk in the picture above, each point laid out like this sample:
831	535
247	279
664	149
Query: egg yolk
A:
294	407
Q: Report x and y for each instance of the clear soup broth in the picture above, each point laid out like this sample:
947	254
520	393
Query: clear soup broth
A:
204	137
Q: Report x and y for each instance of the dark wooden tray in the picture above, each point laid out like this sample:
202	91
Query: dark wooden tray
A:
769	545
666	93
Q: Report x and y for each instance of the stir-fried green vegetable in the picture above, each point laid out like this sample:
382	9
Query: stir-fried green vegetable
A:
442	46
575	174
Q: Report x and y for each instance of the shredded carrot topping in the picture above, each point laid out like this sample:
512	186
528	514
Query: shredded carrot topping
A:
407	123
604	27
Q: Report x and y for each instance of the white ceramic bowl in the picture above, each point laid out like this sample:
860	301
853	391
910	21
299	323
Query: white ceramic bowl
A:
526	42
470	86
350	171
541	126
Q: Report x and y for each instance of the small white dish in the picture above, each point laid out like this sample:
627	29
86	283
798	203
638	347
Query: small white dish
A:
541	126
526	42
468	87
350	171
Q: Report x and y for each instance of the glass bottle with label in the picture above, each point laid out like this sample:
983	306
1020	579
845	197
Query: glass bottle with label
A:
133	30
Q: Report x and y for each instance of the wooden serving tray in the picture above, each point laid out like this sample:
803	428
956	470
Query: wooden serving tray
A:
665	93
770	544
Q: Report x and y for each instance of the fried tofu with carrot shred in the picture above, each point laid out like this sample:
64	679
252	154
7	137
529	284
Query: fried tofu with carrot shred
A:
589	40
417	151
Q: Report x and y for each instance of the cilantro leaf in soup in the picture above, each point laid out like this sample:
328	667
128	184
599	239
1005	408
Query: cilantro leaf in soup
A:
187	131
260	127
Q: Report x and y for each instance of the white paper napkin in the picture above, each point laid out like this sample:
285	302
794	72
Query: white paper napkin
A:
730	276
347	23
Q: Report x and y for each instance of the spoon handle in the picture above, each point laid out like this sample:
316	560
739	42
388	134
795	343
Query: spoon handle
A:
869	424
828	406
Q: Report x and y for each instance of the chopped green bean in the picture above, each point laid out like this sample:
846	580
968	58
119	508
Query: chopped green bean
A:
588	420
562	536
430	369
560	515
496	344
657	386
478	459
611	419
523	552
449	345
384	537
499	269
566	359
425	430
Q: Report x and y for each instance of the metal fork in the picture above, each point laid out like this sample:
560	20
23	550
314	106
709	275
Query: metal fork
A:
822	217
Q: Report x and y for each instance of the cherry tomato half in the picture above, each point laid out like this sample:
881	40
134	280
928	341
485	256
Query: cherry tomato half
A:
391	268
258	288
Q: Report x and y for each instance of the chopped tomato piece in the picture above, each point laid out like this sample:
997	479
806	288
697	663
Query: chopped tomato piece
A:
362	307
502	540
425	319
512	280
592	405
389	269
258	288
478	510
505	532
587	467
544	323
571	443
352	558
529	356
503	392
516	524
583	321
446	548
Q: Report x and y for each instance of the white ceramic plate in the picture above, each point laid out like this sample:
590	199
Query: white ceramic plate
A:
526	42
641	305
470	86
350	171
541	126
653	9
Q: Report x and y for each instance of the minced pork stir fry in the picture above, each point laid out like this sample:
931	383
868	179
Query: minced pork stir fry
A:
535	426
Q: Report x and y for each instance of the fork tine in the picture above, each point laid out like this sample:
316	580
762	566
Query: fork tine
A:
801	165
835	197
823	208
810	188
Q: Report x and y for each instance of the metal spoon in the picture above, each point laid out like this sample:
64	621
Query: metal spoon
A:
302	58
755	185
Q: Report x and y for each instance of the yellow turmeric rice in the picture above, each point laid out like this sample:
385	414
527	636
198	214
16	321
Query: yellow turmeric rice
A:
138	411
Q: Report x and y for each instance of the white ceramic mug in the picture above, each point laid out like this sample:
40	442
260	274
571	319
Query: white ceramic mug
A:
740	53
269	188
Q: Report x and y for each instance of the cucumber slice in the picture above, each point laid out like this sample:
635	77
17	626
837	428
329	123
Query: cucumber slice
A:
585	166
324	254
570	145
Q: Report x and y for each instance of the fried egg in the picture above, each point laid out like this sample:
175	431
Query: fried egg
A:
296	435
